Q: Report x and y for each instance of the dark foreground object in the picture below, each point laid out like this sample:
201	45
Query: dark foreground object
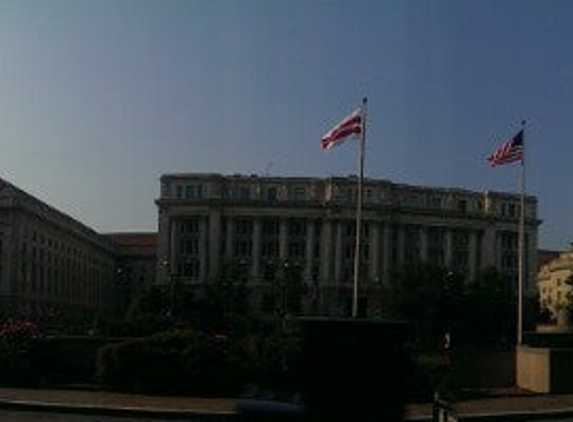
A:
352	369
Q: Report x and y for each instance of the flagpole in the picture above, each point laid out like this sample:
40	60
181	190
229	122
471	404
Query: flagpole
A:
521	245
359	211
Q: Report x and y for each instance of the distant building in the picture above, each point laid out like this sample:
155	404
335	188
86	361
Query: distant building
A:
136	262
555	288
545	255
136	256
207	221
51	266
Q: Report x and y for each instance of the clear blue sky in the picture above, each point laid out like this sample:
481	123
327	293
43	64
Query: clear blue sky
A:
99	98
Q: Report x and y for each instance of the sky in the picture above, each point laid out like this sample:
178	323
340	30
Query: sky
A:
99	98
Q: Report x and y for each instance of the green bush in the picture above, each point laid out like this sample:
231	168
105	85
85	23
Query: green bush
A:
173	362
17	365
67	359
272	362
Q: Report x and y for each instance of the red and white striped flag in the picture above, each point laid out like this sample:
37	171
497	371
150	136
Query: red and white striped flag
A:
351	125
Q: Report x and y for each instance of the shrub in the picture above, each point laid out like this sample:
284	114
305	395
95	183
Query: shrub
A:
172	362
16	344
68	359
272	362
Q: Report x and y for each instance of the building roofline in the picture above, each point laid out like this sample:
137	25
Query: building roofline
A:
444	189
66	218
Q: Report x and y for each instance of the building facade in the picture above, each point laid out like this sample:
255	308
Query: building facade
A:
555	284
136	263
51	266
207	221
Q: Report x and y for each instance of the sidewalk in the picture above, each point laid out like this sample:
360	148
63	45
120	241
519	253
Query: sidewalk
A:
510	406
117	404
521	406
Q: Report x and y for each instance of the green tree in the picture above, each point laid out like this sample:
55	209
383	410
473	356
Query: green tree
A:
431	297
224	304
289	289
491	309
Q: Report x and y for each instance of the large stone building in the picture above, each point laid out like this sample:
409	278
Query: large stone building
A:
555	284
51	266
262	223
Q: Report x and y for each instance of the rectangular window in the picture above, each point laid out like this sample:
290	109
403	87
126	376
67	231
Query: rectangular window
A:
190	226
368	195
243	227
296	249
244	193
270	227
243	248
272	194
349	195
297	227
410	201
270	249
193	191
462	205
297	193
436	202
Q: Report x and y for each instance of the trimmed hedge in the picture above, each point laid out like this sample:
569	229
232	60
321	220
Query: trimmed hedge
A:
174	362
67	359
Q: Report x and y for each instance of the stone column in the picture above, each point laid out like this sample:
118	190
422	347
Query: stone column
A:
326	253
338	253
423	244
203	248
488	248
448	248
375	252
472	254
173	267
309	251
256	268
400	239
283	253
230	238
530	275
386	251
214	239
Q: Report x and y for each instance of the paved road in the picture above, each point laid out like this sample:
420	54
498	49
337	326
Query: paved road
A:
26	416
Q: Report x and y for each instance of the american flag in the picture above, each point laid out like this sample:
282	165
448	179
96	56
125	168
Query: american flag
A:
510	151
351	125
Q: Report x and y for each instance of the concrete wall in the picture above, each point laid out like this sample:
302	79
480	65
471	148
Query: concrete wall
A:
533	369
545	370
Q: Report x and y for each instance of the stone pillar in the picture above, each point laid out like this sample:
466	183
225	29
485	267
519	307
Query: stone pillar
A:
283	253
326	253
530	285
256	268
400	239
386	251
203	248
173	267
230	238
472	254
214	239
488	248
338	253
448	248
375	274
423	244
309	251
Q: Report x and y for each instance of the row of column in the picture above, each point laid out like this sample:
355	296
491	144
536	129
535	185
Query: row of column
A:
330	238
